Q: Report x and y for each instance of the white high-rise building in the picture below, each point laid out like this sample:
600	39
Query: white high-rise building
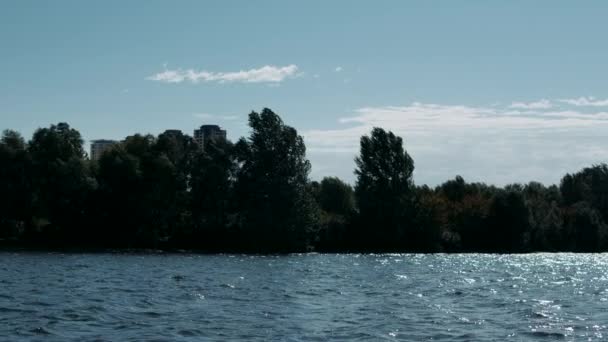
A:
98	147
209	132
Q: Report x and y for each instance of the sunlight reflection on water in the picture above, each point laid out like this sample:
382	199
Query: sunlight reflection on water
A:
184	297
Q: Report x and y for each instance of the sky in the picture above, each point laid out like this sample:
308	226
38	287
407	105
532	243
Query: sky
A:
499	92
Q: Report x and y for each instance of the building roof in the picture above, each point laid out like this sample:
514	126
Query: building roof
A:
101	141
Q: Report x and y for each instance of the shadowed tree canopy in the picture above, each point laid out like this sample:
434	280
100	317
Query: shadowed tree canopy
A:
255	196
278	212
139	192
384	187
15	187
212	185
62	180
508	220
589	185
337	203
455	189
57	143
335	196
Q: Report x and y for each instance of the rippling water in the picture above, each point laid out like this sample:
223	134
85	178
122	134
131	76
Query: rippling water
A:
169	297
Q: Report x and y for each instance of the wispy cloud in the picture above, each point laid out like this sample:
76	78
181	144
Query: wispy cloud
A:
431	119
265	74
203	115
207	116
541	104
338	69
586	101
483	143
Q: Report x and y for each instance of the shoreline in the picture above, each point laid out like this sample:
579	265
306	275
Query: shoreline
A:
177	251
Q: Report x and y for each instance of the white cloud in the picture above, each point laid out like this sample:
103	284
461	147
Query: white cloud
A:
542	104
203	115
588	101
338	69
207	116
265	74
493	144
230	117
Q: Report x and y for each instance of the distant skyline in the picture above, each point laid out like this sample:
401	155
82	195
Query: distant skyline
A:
498	92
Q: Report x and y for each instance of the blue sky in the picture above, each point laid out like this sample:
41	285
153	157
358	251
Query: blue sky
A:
494	91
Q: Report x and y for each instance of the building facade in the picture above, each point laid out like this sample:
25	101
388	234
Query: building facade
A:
207	133
98	147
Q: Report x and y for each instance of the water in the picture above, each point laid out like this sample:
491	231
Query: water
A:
182	297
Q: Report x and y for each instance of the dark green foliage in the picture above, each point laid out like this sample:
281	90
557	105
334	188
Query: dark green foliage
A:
62	185
211	184
468	219
139	193
428	221
545	218
589	185
383	190
255	196
337	207
15	186
276	210
584	229
507	220
118	199
454	190
336	197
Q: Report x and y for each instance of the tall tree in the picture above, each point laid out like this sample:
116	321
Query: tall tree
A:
212	183
589	185
278	213
384	189
584	229
182	152
62	181
508	219
15	184
139	192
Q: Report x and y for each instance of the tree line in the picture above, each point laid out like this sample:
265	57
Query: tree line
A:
255	195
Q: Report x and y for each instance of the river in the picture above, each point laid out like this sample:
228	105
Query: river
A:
303	297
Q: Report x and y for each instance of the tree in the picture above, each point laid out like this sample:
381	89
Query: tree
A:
255	196
139	194
468	220
335	196
383	190
336	201
182	152
455	189
58	142
550	232
544	216
15	185
430	222
212	183
589	185
118	201
585	230
180	149
508	219
277	212
62	183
